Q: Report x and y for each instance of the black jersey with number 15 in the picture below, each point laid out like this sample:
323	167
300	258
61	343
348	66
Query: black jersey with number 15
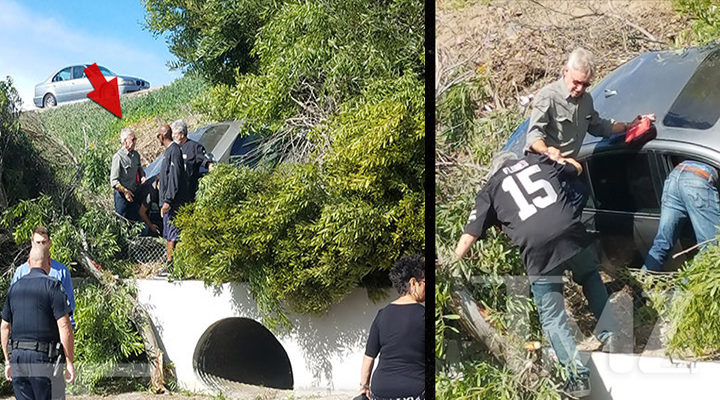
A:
526	198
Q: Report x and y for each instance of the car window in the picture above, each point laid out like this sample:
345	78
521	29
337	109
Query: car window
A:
212	136
63	75
622	182
78	72
698	104
106	71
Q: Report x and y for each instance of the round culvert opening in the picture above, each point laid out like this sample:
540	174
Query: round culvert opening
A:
242	350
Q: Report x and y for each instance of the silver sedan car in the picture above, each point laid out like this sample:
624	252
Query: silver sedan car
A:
70	83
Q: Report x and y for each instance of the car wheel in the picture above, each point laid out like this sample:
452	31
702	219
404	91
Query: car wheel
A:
49	101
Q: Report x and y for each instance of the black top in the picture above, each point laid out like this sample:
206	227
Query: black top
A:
173	178
195	157
33	305
148	195
398	334
525	197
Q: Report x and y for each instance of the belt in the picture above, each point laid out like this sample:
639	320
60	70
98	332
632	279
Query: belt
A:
701	172
42	347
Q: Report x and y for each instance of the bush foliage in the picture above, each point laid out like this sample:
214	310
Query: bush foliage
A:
334	89
695	308
705	19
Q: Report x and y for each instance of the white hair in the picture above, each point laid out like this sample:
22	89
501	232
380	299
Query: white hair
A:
124	133
582	60
179	126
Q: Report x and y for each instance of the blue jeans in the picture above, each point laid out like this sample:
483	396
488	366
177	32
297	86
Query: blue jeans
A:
548	293
128	209
685	195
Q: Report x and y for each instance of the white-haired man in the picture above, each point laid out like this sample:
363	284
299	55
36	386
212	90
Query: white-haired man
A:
562	112
193	153
126	175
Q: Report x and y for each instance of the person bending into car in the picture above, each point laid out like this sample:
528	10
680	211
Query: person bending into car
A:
690	193
562	112
126	176
149	198
193	153
526	198
173	187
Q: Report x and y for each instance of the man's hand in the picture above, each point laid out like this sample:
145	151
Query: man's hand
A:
637	120
553	153
165	209
69	372
574	163
154	229
142	180
128	195
8	371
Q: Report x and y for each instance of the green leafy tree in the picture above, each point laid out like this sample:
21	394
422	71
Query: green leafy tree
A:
705	19
336	97
212	37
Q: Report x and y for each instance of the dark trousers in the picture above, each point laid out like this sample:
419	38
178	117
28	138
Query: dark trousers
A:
126	208
32	376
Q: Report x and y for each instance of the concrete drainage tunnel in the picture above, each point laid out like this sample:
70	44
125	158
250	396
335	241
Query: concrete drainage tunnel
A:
240	350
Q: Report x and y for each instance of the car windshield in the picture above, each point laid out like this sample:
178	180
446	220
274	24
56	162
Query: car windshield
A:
106	71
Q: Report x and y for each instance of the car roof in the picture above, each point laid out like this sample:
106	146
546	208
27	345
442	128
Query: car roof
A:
649	83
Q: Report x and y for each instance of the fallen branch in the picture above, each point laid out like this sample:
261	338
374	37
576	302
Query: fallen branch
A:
140	318
479	329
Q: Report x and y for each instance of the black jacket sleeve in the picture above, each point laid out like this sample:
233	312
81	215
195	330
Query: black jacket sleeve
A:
172	165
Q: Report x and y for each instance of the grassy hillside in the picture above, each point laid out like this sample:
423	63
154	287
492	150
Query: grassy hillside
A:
91	134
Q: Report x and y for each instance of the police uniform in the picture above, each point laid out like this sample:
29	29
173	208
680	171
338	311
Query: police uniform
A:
32	307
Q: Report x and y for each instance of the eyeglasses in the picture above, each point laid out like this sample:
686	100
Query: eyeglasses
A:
584	84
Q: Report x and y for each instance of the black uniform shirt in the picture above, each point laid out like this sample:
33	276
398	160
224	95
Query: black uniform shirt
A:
526	198
195	157
33	305
173	177
398	334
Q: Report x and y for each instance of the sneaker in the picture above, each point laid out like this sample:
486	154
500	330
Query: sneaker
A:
578	387
645	270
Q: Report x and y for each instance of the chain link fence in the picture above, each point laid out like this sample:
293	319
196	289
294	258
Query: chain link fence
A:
146	250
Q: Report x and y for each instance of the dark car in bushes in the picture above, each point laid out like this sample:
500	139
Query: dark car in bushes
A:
221	140
682	88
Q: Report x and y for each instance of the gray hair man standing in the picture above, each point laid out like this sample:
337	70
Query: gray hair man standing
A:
562	112
126	175
193	153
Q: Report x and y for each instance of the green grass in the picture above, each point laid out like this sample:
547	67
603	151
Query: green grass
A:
80	124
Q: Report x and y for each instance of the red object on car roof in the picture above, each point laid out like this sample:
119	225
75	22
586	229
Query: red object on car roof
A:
638	130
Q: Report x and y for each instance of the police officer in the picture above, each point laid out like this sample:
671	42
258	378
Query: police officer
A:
36	316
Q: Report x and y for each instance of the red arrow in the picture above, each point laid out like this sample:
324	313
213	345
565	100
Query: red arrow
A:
106	92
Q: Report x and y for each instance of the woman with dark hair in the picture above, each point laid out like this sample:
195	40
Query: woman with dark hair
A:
398	335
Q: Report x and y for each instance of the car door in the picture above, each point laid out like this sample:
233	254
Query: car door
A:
81	84
624	205
62	83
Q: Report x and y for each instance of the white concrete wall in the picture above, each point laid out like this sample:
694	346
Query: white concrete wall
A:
325	352
637	377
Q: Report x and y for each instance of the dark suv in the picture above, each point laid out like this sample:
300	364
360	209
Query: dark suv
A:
682	88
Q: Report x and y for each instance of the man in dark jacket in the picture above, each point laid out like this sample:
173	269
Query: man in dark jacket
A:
193	153
173	187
